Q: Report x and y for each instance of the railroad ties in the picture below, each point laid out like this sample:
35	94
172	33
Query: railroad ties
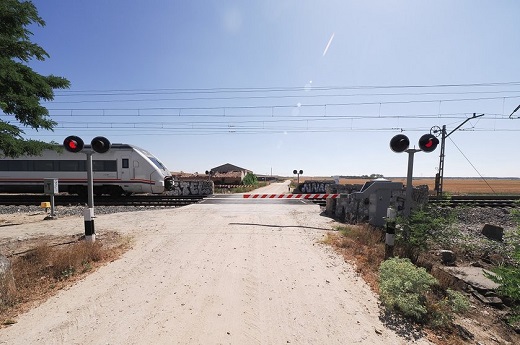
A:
134	200
494	201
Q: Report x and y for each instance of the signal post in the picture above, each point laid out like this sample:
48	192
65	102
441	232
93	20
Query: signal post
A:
100	145
400	143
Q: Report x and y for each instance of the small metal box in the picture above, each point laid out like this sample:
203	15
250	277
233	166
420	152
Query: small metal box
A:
50	186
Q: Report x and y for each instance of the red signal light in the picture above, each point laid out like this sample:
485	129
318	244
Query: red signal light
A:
73	144
428	143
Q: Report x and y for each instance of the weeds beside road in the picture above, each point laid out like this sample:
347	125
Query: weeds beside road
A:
41	267
420	297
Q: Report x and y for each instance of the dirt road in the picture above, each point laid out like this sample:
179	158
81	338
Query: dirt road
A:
210	274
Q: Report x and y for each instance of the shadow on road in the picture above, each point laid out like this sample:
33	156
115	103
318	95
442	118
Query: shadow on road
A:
282	226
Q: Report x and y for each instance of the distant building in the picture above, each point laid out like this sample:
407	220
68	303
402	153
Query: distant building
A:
228	174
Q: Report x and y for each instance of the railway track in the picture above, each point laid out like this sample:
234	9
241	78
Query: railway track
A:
478	201
134	200
467	201
169	200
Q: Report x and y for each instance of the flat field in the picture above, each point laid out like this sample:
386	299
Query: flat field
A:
472	186
454	186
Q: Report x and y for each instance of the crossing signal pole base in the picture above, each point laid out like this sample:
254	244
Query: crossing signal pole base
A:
90	233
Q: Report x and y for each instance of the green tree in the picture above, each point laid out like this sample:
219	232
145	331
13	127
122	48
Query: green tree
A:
21	88
250	179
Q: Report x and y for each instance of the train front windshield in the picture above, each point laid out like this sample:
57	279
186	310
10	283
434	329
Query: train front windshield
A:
157	163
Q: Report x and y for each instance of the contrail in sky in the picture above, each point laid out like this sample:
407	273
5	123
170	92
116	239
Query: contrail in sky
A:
328	44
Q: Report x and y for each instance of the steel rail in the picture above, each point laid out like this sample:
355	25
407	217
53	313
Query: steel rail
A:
134	200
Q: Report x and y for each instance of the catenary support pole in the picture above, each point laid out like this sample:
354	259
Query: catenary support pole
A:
442	154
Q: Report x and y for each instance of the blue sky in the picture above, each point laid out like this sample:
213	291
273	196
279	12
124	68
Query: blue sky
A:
320	86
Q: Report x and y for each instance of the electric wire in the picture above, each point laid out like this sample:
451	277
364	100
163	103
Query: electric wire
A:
274	97
473	166
282	106
290	88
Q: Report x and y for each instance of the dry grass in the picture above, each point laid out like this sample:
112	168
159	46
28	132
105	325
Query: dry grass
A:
44	269
363	246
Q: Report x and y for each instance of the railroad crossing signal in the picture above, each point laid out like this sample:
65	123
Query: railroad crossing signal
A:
399	143
73	144
428	143
100	144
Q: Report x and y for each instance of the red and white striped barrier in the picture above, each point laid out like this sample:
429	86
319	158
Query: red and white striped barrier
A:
291	196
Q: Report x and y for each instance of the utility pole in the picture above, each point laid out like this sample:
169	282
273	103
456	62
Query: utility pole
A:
436	130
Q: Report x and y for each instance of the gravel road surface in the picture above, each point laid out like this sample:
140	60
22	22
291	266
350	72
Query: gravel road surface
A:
209	274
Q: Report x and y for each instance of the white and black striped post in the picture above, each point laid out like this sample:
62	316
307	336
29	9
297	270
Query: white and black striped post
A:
390	232
90	233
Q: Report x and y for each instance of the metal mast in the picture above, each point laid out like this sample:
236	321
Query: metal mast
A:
440	175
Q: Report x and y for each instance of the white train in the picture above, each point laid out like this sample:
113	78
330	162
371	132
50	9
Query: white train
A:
124	169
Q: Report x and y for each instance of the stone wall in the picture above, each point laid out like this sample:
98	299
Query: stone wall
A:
351	210
330	208
192	188
313	187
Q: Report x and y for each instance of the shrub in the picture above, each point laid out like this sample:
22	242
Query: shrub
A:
441	312
508	276
250	179
456	301
403	287
509	279
415	233
407	289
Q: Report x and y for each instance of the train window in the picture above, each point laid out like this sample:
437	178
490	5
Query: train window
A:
125	163
12	166
110	165
72	165
5	166
104	165
43	165
157	163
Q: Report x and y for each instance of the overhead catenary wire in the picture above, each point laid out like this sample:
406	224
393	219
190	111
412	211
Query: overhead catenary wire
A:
277	115
473	166
288	88
291	105
200	98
